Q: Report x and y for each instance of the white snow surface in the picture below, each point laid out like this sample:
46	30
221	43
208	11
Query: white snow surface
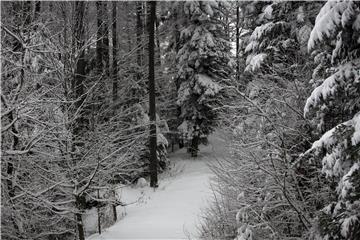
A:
173	210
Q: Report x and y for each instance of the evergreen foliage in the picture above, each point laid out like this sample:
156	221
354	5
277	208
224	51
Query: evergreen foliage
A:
75	117
203	69
334	106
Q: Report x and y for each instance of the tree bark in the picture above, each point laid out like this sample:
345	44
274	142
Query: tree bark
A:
114	207
194	146
139	30
114	53
105	42
78	217
99	35
79	124
237	42
37	9
10	168
152	110
98	214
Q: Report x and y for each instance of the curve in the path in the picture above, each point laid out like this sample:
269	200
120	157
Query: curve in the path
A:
171	211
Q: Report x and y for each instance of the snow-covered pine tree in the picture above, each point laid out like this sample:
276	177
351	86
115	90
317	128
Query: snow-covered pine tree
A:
334	106
280	26
268	131
203	68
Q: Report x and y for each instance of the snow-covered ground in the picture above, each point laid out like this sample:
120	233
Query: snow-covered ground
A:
171	211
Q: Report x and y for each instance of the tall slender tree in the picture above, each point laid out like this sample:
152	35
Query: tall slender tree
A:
152	107
79	125
237	42
139	32
114	52
99	36
105	39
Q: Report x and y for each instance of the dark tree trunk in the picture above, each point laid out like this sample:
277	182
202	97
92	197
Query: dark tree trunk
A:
37	9
98	213
10	168
194	147
114	209
115	72
237	43
10	165
139	31
114	53
78	216
128	25
79	76
105	42
99	35
152	110
78	90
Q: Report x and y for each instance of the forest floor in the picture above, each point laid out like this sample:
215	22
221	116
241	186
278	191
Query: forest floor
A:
173	210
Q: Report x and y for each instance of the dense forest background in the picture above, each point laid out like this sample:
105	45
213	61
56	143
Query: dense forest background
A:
78	116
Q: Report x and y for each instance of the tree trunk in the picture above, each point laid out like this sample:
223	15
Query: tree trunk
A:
139	30
79	124
98	213
10	168
78	217
10	171
114	210
78	90
37	9
105	42
237	43
99	35
128	25
152	110
194	146
114	53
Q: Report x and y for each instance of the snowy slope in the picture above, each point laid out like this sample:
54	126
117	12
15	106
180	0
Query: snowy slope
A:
170	212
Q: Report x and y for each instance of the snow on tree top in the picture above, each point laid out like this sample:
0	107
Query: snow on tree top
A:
347	72
261	31
268	12
161	140
183	127
334	14
333	164
356	25
254	62
206	83
345	226
356	135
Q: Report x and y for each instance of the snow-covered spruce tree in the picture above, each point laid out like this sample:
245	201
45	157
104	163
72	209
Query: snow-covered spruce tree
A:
334	106
203	67
275	66
266	197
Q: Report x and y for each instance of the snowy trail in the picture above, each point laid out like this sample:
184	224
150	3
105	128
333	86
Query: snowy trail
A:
171	211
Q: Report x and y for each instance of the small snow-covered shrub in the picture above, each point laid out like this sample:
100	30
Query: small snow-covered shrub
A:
141	182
